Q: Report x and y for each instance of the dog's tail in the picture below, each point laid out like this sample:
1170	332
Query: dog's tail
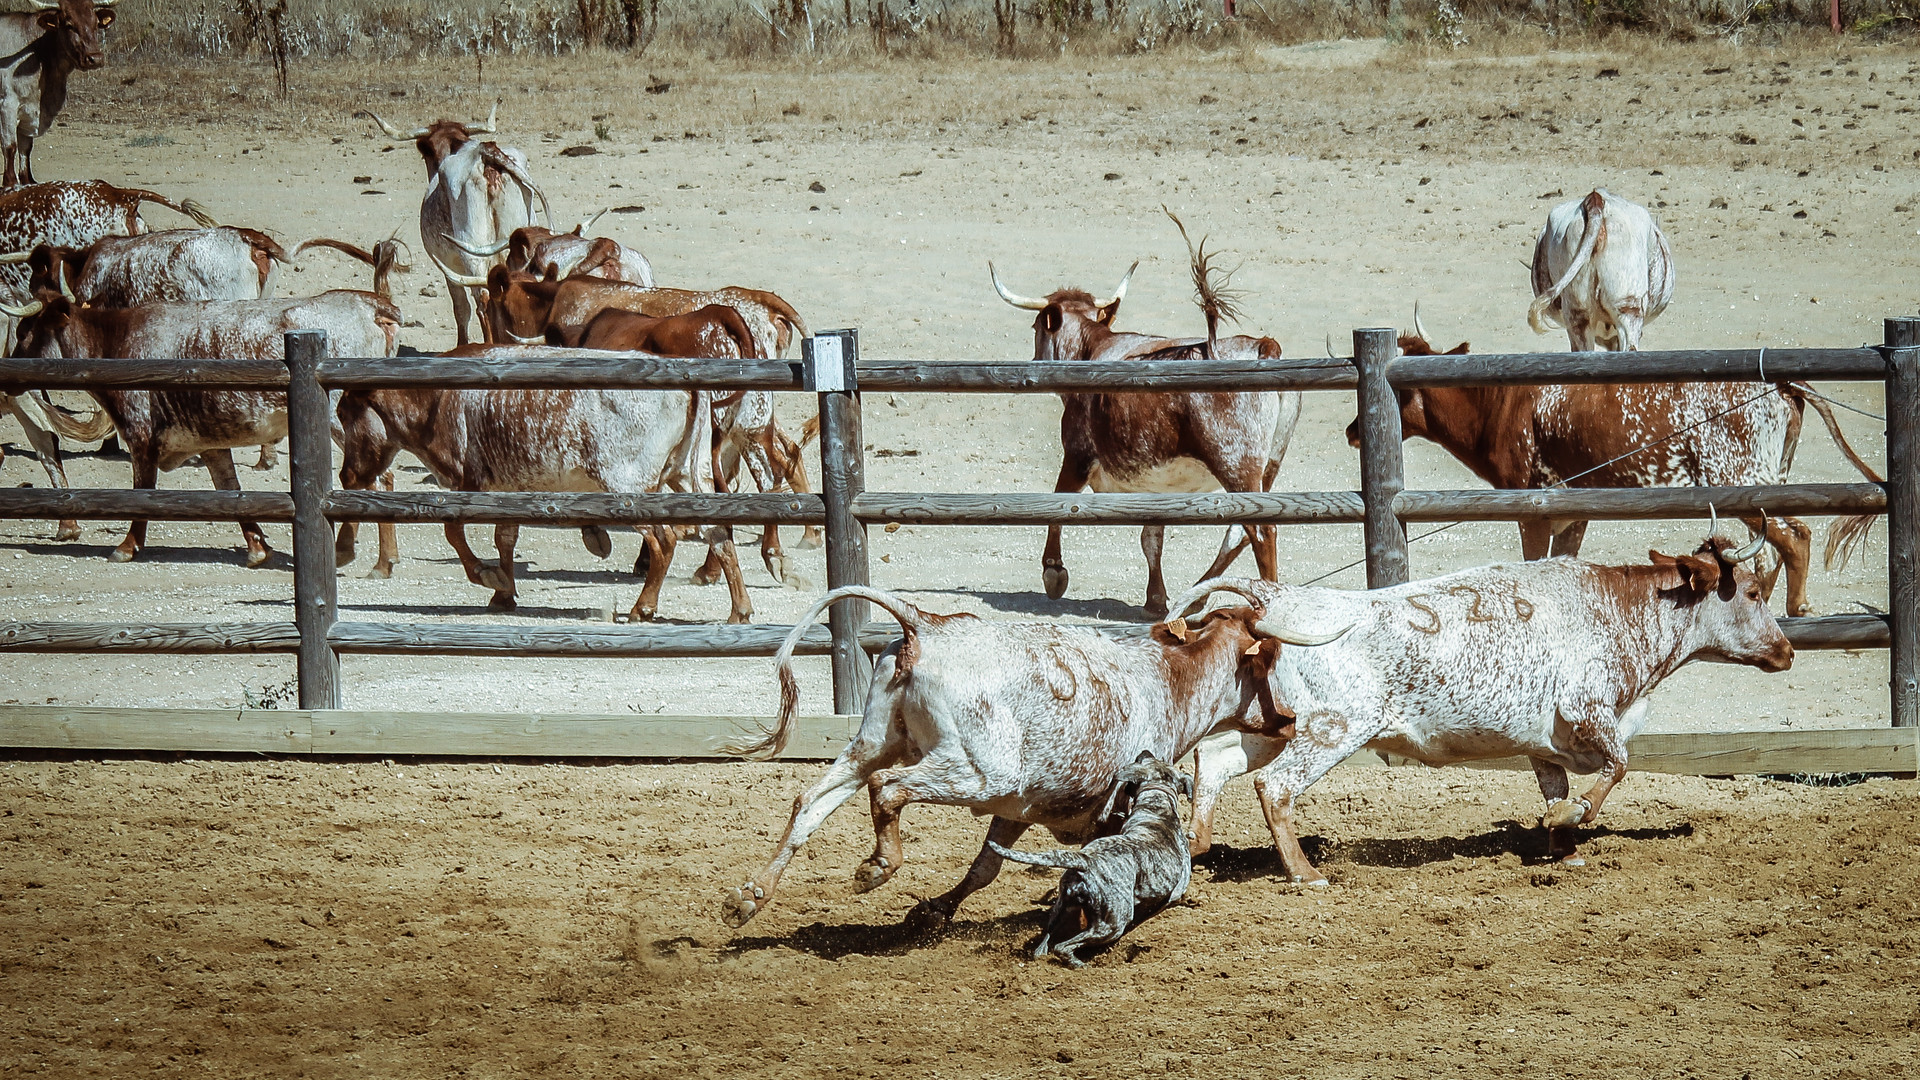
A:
1064	858
770	743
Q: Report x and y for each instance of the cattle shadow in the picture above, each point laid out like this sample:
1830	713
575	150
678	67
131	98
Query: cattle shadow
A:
1011	933
280	560
1036	603
1529	841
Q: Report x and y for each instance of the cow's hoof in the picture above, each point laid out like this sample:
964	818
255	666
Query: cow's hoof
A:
1056	579
265	463
872	874
257	557
381	573
1565	813
69	530
493	578
929	916
742	904
809	540
501	602
343	557
597	540
740	618
121	554
706	576
777	566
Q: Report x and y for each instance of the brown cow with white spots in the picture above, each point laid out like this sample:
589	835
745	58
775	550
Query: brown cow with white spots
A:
1553	661
1693	434
1146	442
1028	722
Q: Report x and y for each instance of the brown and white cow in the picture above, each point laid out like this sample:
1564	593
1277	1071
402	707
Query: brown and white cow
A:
1620	435
1028	722
550	256
626	441
1601	269
478	192
1147	442
66	37
73	214
1553	661
162	429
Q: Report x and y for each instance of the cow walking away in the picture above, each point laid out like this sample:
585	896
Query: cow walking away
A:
1028	722
1601	269
1552	660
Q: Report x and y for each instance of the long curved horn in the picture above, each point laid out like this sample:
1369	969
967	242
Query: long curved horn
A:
392	132
1713	520
1273	629
1122	290
15	256
487	128
1753	547
477	252
28	310
66	287
1027	302
1417	327
1330	353
581	229
1197	594
456	277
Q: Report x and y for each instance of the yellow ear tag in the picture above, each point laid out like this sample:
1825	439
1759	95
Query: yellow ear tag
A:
1252	650
1178	628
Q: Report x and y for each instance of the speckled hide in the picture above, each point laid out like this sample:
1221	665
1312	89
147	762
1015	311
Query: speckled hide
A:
1551	660
1026	722
223	263
550	255
1601	269
70	214
621	441
163	428
1139	442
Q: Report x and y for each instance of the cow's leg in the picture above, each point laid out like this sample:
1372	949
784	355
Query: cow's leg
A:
940	778
793	466
1536	539
389	538
1325	739
1568	540
720	541
1791	538
146	472
713	569
1218	759
766	476
12	178
1553	788
1598	727
1074	471
462	310
26	160
219	464
269	457
936	912
879	743
501	582
46	446
469	562
656	551
1152	539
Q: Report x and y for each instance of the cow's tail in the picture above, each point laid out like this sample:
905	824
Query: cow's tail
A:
1210	290
785	318
770	743
67	426
1845	534
492	155
1595	208
1064	858
188	207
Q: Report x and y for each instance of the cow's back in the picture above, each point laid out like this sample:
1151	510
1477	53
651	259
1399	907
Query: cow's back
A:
574	440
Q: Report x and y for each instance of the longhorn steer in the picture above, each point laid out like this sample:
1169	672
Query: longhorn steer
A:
1640	435
468	200
1553	661
1028	722
626	441
384	258
550	256
1601	269
164	428
61	37
1157	442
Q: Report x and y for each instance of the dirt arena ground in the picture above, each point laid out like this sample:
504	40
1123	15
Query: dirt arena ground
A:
431	919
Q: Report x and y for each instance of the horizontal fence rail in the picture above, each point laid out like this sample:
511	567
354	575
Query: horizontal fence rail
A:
1374	372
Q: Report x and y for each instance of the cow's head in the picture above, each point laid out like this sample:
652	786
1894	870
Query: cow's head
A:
1413	403
44	325
1062	329
1727	605
438	140
1244	642
53	269
76	25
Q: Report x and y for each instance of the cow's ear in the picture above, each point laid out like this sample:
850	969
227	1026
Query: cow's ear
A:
1106	314
1259	657
49	20
1669	567
1169	633
1458	350
1051	319
1702	574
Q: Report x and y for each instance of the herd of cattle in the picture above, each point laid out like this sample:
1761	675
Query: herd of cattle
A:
1030	723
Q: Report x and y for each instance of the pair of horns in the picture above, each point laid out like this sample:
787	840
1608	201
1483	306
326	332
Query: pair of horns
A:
477	252
1751	548
1265	625
1034	304
396	133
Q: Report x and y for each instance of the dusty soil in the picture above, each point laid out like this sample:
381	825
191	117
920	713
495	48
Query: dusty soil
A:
432	920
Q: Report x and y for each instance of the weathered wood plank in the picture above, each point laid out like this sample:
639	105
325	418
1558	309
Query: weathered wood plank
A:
1847	750
1382	477
575	508
1837	632
59	727
1667	365
706	640
548	735
315	582
21	373
1090	508
110	504
1160	376
1636	504
597	371
183	638
1902	362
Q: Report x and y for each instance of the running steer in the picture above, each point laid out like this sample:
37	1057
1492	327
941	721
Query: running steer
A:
1553	661
1028	722
1157	442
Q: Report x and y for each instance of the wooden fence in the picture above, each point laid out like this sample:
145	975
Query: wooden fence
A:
319	637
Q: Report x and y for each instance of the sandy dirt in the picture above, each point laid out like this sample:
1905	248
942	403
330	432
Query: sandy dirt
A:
421	919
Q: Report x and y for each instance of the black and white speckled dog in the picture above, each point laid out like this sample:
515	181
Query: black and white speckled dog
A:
1118	880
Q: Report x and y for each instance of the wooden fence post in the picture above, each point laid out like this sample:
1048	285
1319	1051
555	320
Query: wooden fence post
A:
829	370
1380	469
310	448
1903	514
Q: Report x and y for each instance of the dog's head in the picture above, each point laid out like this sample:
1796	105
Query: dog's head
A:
1146	771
